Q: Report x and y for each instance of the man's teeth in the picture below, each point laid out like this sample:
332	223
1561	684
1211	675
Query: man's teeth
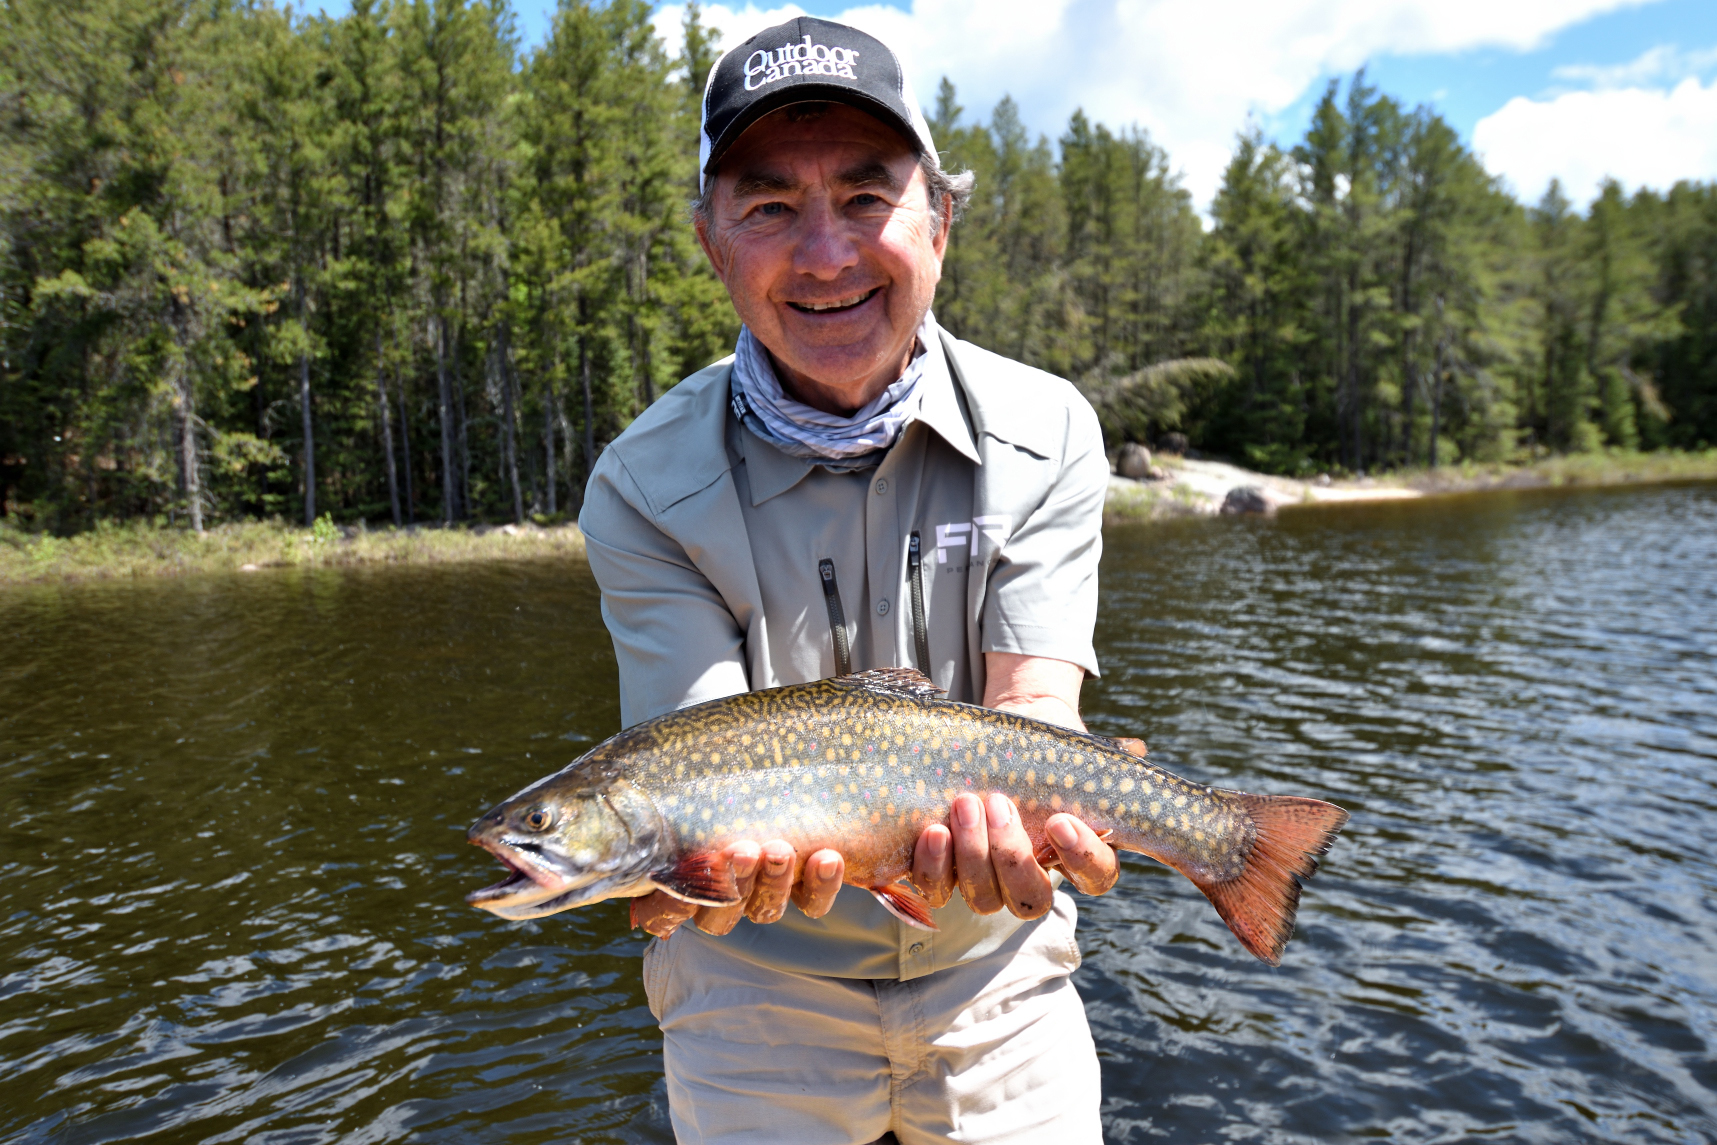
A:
840	304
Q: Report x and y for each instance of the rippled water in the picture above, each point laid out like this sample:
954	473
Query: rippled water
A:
232	873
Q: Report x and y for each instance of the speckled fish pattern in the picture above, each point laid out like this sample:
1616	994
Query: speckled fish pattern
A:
862	764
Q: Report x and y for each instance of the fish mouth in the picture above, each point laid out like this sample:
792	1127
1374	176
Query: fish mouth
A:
530	879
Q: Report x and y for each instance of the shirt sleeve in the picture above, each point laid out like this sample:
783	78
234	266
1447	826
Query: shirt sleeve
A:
1042	594
674	637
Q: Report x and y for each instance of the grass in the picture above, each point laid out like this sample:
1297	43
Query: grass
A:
111	551
144	550
1610	467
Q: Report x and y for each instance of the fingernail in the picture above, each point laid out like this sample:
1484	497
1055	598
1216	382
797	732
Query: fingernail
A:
775	862
936	845
1001	811
743	865
1063	834
825	868
967	811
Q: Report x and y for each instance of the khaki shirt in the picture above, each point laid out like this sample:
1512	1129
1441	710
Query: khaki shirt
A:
708	545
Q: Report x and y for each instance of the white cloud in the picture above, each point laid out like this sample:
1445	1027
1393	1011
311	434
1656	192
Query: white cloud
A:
1189	72
1665	63
1641	136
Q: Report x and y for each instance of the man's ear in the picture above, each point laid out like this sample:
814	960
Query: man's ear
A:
700	224
941	240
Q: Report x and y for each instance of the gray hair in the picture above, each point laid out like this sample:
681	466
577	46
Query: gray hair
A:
943	188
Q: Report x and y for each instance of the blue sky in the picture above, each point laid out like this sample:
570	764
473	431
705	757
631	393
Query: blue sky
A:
1572	89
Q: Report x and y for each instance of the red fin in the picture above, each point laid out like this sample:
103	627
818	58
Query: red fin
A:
1259	904
704	878
632	913
905	904
1131	746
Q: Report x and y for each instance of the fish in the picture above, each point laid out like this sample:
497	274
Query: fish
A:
862	764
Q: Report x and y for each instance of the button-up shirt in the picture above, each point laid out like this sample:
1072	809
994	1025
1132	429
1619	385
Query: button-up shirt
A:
707	543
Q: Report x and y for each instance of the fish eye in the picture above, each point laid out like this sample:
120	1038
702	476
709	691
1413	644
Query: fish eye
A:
539	818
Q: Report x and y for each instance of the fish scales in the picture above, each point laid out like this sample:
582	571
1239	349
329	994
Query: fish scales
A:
862	764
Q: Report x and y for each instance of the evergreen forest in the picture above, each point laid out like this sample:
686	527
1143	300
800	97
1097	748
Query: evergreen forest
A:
393	266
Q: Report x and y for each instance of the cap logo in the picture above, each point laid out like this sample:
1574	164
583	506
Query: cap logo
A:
807	59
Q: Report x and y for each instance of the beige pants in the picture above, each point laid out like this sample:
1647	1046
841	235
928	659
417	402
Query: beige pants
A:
994	1051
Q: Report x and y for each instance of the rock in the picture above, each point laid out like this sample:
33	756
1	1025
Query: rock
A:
1323	480
1157	473
1249	499
249	568
1175	443
1134	461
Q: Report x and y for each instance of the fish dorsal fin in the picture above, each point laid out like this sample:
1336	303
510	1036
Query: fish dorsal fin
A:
909	682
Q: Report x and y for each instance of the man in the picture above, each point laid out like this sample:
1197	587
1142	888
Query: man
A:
854	489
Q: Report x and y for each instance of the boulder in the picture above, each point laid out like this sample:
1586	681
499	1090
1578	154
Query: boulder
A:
1134	461
1175	443
1249	499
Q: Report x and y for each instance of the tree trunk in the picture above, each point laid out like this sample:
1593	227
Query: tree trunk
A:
464	423
387	427
509	438
1437	396
449	484
188	449
589	415
405	451
550	401
304	403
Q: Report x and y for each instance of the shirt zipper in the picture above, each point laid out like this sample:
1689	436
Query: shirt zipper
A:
837	618
920	631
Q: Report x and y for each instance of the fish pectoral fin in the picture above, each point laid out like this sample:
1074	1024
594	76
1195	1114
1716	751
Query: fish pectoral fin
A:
909	682
704	879
905	904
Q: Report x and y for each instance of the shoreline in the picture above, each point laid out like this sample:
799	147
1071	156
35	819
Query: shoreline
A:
1200	487
135	551
1191	488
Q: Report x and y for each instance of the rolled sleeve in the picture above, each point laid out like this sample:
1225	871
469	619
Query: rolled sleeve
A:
1042	598
675	639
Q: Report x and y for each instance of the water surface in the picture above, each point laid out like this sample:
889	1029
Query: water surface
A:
233	865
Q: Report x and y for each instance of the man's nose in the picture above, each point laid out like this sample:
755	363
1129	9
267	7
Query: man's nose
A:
826	244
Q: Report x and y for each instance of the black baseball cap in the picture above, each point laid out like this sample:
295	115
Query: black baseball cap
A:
801	61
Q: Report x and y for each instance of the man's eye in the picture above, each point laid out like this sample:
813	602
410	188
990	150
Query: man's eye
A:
865	199
772	208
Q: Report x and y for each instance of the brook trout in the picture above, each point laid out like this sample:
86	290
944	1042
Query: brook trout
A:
862	764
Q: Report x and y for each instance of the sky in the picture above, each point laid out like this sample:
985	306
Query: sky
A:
1577	90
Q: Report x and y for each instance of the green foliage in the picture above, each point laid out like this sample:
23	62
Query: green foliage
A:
260	263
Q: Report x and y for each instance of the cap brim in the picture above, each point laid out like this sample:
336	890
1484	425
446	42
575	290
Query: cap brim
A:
810	93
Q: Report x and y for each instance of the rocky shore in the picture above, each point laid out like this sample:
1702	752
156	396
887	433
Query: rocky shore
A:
1171	485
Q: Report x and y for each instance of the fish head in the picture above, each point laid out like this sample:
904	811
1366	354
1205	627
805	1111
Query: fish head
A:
567	843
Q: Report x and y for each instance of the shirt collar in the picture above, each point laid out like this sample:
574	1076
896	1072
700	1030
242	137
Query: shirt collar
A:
771	472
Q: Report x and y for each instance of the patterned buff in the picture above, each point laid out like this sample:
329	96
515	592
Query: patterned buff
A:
838	443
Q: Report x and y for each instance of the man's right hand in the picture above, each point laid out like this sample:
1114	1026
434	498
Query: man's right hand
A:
765	878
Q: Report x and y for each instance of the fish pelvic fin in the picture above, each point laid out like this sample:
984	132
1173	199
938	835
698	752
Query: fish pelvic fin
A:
906	904
1259	904
1133	746
703	879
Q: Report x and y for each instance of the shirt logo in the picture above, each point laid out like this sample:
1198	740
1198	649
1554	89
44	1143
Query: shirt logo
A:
966	533
807	59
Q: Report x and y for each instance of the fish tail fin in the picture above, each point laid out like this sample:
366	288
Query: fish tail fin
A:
905	904
1259	904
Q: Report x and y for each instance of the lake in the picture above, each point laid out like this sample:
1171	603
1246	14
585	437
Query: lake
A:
234	866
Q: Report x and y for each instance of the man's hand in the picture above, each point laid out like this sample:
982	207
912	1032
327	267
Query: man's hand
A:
765	878
987	853
989	857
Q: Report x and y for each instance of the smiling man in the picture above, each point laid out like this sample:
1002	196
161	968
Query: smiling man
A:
855	489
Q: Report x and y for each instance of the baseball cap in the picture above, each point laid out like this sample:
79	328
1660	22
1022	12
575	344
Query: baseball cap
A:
801	61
